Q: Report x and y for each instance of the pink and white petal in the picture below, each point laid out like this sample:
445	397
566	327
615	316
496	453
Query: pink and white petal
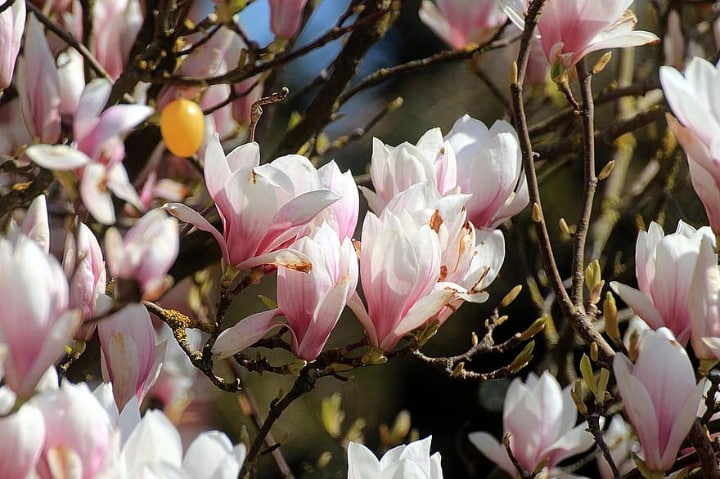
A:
19	455
117	368
490	253
206	453
681	425
35	224
703	76
639	303
575	441
94	193
287	258
127	340
217	171
491	448
375	203
57	157
324	321
116	120
245	333
119	183
362	463
188	215
420	312
629	39
682	97
244	156
91	104
52	349
639	409
431	16
358	308
154	440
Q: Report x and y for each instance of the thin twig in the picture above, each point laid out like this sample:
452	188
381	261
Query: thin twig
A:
587	113
579	320
446	56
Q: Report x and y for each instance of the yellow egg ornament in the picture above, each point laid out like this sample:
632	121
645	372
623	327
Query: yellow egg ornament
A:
182	126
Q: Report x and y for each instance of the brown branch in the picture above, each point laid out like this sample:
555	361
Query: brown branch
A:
578	318
446	56
345	66
706	454
590	182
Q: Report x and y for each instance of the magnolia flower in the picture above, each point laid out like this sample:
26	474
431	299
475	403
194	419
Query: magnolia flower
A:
570	29
38	85
34	225
393	169
664	267
285	16
412	461
35	323
264	209
85	269
130	359
692	99
539	418
471	258
400	265
115	26
12	26
146	253
705	303
660	396
154	449
620	440
71	67
489	167
78	433
27	430
98	152
462	22
343	214
311	302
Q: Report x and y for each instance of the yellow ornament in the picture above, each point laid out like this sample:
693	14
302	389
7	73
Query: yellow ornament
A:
182	126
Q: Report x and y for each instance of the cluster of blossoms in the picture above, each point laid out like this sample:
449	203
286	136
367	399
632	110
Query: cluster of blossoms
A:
430	242
428	245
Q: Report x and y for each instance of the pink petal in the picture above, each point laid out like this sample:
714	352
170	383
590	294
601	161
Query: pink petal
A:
245	333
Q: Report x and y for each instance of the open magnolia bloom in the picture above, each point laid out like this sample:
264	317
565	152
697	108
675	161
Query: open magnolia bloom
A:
705	303
400	265
145	254
660	396
35	322
98	151
664	266
489	167
570	29
539	418
412	461
312	302
693	99
419	261
393	169
263	208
